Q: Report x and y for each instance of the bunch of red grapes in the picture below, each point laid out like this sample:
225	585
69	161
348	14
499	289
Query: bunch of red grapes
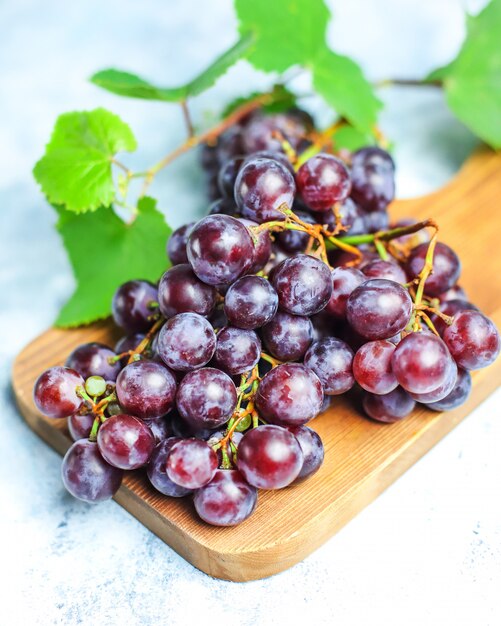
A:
264	317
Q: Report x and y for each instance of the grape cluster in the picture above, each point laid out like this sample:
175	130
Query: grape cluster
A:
265	316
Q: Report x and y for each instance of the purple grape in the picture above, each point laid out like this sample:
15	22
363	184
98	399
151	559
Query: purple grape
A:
378	309
191	463
274	156
372	367
127	343
229	144
259	133
269	457
344	281
457	396
288	336
312	449
373	178
443	390
125	441
91	359
290	394
250	302
80	425
376	221
206	398
218	318
132	306
473	340
385	269
182	429
303	284
157	470
220	249
186	341
160	428
176	244
331	359
295	240
237	350
446	268
55	394
421	362
389	407
223	206
323	181
227	176
262	187
146	389
454	293
86	475
352	218
227	500
450	308
180	291
262	246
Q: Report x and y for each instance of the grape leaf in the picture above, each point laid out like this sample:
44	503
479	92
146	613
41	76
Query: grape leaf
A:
76	169
287	32
472	81
352	139
105	252
341	83
281	100
133	86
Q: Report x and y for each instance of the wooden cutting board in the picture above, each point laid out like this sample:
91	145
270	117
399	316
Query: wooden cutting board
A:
362	457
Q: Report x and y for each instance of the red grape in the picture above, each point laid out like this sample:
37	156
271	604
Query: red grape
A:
227	500
176	244
473	340
322	181
457	396
180	291
237	350
91	359
331	359
80	425
250	302
191	463
288	336
55	394
372	367
125	441
344	281
146	389
373	178
388	407
157	470
131	306
186	341
446	268
311	447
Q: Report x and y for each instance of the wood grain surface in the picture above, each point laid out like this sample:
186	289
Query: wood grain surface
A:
362	457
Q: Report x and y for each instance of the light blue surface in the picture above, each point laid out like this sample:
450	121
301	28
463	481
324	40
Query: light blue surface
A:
426	552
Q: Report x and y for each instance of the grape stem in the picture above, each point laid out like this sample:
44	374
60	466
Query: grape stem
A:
187	118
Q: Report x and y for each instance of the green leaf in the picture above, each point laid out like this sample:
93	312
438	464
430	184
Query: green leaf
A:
341	83
352	139
473	80
282	100
76	168
133	86
287	32
105	252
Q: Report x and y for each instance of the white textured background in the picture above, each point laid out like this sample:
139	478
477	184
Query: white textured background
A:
428	551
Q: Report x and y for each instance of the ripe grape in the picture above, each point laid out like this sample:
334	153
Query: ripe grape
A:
288	336
372	367
378	309
237	350
55	393
80	425
91	359
220	249
157	470
442	390
227	500
289	394
376	221
206	398
303	284
191	463
132	306
473	340
176	244
126	343
385	269
446	267
450	308
352	218
274	156
262	186
322	181
454	293
86	475
160	427
259	133
421	362
223	206
250	302
186	341
180	291
126	442
262	246
373	178
331	359
269	457
311	447
344	281
457	396
227	176
146	389
388	407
